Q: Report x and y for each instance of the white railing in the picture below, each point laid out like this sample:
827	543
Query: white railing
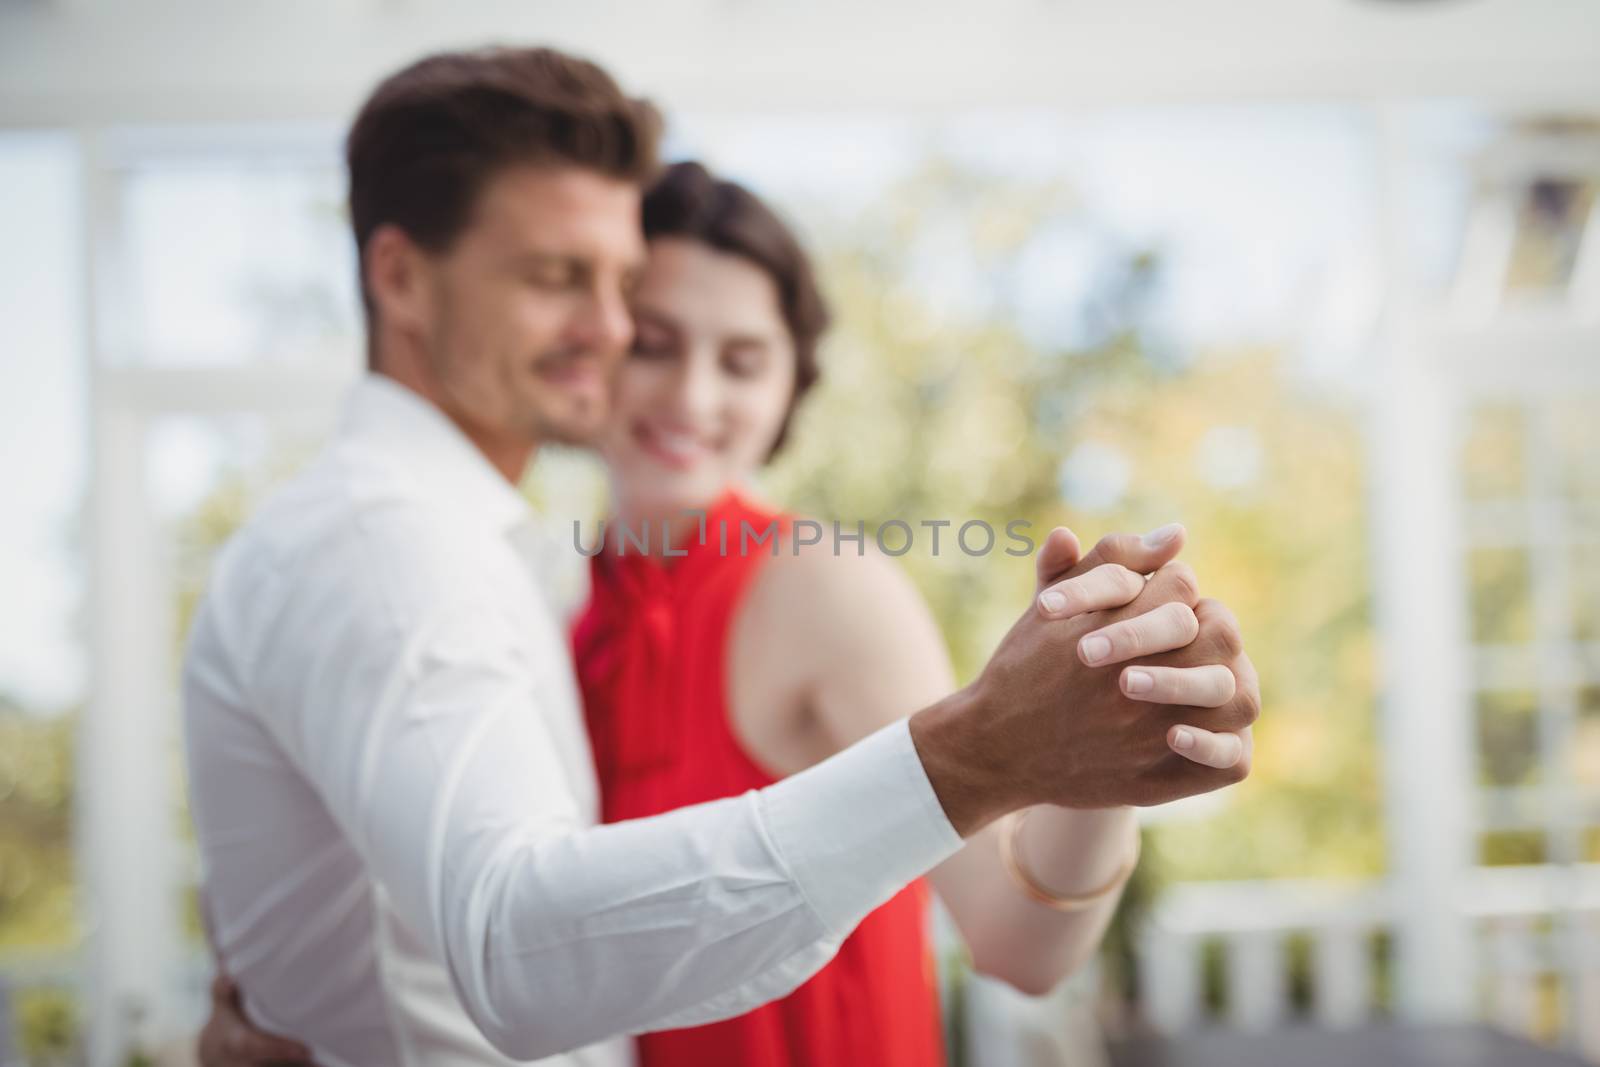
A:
1536	935
22	973
25	973
1254	922
1537	961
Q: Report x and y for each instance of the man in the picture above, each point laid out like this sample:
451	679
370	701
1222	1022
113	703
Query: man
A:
391	785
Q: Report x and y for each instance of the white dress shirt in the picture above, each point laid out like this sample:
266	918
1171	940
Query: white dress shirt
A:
395	803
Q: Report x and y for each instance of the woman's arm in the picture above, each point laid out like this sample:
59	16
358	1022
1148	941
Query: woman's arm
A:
853	647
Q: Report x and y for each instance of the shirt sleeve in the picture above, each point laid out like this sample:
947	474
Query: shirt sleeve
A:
416	716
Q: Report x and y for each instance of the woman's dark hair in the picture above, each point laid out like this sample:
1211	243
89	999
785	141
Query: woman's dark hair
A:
689	201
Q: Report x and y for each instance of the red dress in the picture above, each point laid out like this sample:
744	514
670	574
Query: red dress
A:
651	653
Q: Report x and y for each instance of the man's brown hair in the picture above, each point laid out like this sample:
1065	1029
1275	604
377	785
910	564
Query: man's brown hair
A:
431	135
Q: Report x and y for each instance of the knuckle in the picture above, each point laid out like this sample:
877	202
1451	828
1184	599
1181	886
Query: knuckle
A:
1084	590
1205	748
1115	547
1218	621
1249	704
1161	691
1120	583
1182	579
1226	641
1117	575
1176	686
1128	637
1223	687
1167	687
1181	618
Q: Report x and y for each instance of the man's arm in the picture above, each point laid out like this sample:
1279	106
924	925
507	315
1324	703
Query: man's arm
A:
414	716
398	677
556	934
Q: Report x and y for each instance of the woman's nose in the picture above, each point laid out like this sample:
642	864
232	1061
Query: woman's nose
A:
697	391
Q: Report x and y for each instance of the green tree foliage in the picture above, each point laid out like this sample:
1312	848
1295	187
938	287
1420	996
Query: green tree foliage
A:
929	413
36	889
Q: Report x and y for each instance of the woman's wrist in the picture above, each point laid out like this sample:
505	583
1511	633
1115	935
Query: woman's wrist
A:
1073	851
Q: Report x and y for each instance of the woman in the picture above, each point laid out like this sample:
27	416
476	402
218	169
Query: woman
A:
740	662
721	664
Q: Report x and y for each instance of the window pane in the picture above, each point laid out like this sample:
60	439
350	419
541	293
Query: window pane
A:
1502	610
235	261
1508	738
1492	455
1585	579
1586	737
1590	853
1511	848
1576	436
1551	217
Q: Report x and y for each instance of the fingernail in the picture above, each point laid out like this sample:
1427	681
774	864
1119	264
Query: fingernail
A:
1053	602
1183	740
1095	648
1161	535
1139	682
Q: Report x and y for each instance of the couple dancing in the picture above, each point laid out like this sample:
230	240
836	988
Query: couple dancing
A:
440	829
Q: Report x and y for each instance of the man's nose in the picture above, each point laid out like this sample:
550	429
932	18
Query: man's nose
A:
604	325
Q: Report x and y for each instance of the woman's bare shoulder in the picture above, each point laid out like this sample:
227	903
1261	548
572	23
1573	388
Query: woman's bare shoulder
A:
851	633
833	590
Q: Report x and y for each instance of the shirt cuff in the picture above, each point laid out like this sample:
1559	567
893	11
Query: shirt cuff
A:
858	827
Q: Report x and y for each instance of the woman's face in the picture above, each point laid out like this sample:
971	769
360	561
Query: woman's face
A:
699	400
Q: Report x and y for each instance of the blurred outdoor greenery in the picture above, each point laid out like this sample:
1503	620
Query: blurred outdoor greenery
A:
928	413
37	910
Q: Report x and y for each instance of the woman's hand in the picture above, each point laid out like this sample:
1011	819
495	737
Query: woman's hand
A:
229	1040
1112	575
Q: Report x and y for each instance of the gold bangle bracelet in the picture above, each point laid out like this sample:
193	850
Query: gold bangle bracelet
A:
1030	886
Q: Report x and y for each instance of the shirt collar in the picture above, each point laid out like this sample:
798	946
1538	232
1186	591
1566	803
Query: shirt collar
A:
446	465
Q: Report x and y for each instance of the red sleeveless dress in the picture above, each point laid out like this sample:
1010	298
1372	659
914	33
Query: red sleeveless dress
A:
651	652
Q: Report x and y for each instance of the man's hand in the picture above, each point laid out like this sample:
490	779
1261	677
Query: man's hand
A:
228	1039
1050	719
1204	686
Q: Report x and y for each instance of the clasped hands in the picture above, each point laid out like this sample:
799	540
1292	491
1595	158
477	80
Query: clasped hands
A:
1121	686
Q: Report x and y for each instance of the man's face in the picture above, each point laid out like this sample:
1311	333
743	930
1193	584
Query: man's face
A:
525	316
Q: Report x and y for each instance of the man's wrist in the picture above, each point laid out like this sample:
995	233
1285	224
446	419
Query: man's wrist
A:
855	828
968	776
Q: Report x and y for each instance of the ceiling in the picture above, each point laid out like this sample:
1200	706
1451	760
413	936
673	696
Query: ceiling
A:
106	61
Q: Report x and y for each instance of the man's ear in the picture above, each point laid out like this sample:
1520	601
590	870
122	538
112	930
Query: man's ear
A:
397	277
